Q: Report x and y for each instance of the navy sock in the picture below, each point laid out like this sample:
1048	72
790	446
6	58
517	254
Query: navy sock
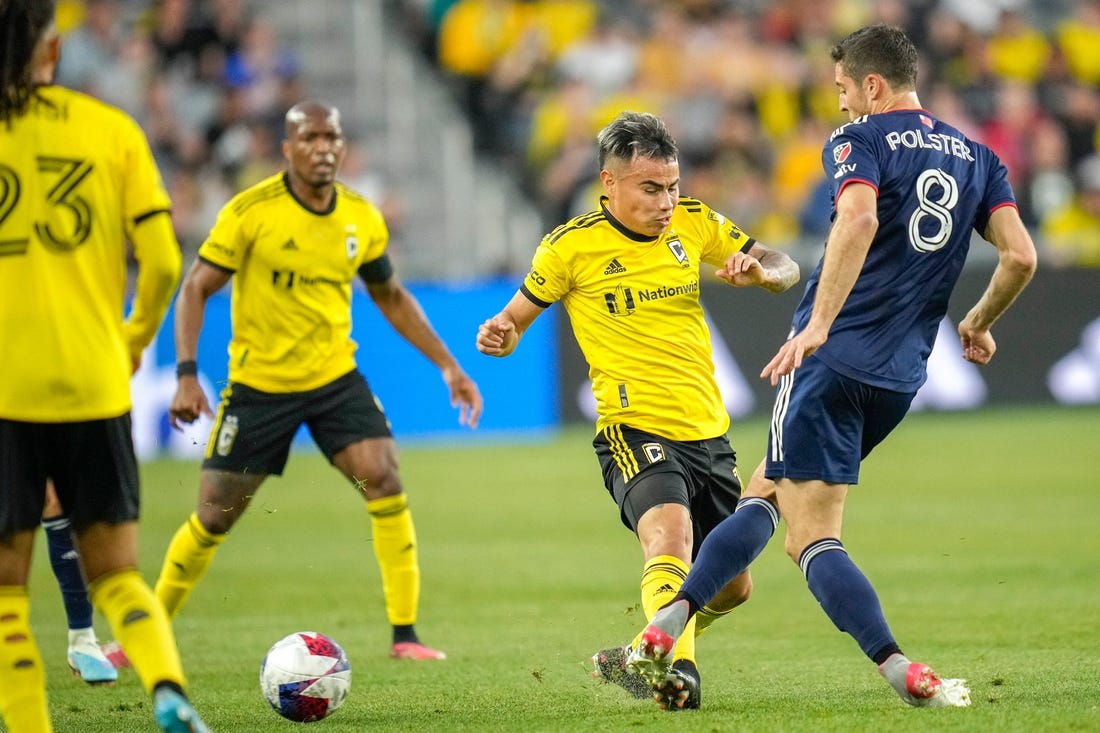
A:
846	595
66	568
729	549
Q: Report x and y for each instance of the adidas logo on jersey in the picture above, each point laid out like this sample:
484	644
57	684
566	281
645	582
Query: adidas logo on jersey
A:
614	268
289	244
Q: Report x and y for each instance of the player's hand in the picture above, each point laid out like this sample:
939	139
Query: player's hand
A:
496	336
464	395
978	346
742	270
791	354
188	403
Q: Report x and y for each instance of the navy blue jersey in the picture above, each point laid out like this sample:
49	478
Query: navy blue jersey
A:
935	186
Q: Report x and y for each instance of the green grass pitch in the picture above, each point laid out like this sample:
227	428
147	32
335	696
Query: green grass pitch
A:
979	531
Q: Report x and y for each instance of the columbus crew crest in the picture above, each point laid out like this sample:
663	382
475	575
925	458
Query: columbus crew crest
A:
677	248
351	242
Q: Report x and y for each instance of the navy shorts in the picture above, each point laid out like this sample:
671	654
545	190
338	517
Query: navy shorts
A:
92	465
642	470
824	424
253	430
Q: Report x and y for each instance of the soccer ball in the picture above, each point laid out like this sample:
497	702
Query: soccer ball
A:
305	676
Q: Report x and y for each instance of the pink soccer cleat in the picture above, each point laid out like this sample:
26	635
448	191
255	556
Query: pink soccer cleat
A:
414	650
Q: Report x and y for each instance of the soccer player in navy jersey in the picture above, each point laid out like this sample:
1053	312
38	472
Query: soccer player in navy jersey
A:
908	189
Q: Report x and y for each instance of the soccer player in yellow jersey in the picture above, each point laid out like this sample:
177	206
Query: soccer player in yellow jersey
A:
77	181
628	275
295	242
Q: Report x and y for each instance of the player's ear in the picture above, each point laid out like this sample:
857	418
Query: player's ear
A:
875	85
53	49
607	178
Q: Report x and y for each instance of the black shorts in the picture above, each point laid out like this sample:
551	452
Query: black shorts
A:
92	464
253	430
642	470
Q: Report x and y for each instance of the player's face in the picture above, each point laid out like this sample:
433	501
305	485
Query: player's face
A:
642	193
315	149
853	97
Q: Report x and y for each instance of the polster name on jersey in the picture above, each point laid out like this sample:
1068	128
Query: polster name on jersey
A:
929	141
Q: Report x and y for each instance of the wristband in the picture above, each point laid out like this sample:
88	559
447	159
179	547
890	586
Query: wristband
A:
188	368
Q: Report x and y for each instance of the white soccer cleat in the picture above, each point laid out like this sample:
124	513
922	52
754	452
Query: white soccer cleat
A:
87	661
652	658
920	687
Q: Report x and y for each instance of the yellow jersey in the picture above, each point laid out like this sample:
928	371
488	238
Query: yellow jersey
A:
293	269
633	302
76	178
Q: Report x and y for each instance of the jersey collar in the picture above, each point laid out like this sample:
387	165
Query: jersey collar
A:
327	210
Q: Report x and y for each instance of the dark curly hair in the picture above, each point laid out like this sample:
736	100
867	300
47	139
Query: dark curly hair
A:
22	23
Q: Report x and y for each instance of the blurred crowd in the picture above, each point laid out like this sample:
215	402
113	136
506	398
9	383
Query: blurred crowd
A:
747	87
208	80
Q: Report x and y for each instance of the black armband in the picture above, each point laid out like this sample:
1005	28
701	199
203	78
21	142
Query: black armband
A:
188	368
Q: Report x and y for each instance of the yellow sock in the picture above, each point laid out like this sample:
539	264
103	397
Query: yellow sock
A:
189	555
706	616
661	579
395	548
140	625
23	690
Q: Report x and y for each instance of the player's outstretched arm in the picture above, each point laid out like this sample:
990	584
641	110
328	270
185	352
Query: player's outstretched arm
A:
1016	264
761	266
499	335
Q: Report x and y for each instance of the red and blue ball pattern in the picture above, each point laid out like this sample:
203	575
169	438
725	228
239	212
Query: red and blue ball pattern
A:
305	676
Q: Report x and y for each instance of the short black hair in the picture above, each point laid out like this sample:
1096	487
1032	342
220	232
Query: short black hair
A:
22	23
879	49
636	134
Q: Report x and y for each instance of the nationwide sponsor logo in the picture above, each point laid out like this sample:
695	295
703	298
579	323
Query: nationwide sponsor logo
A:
614	267
620	301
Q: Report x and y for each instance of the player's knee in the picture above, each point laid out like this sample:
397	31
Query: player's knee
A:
217	519
378	484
